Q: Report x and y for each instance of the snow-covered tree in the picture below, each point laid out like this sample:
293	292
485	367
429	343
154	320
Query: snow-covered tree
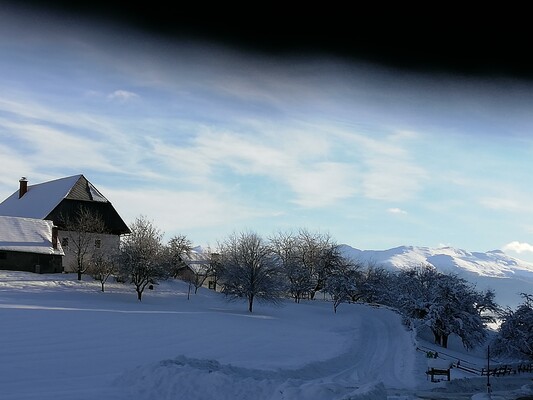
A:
446	304
515	336
318	255
341	283
177	247
299	279
249	269
375	284
143	258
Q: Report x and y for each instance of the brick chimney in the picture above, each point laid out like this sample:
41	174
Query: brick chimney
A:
55	231
23	188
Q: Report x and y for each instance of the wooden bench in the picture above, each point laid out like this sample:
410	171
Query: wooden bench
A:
436	371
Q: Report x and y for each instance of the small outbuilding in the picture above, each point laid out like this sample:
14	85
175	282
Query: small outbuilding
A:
198	266
29	244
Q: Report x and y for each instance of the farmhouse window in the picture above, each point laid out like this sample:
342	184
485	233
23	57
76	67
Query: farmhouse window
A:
64	242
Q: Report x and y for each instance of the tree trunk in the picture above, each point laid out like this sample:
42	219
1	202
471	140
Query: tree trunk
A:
438	338
79	274
103	283
250	302
444	341
139	294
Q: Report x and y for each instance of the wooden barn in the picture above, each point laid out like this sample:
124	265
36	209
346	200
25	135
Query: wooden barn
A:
60	200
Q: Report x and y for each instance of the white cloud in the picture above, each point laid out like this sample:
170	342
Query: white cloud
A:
396	210
301	162
122	96
45	146
391	179
518	247
52	138
176	210
518	203
320	164
387	171
321	184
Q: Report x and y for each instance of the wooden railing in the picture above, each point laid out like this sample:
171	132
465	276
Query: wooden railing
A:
464	365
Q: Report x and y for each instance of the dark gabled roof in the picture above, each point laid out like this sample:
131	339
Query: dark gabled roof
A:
50	200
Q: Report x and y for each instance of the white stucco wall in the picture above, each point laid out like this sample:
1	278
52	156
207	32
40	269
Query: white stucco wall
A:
109	244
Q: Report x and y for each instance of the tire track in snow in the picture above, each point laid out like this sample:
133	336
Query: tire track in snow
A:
382	355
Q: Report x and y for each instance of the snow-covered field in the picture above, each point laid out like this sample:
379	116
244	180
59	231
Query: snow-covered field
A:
64	339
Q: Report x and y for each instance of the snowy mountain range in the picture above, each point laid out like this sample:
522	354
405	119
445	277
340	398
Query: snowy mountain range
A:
506	275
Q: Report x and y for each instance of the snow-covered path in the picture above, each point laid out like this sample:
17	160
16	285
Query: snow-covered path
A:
381	355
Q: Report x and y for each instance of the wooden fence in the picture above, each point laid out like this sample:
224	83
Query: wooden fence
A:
467	366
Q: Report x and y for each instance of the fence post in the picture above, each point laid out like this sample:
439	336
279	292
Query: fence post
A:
488	370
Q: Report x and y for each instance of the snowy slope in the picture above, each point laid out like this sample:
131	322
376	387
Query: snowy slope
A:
508	276
63	339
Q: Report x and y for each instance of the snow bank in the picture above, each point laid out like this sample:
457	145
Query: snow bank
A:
207	379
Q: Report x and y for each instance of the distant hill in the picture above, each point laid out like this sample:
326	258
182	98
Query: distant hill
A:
508	276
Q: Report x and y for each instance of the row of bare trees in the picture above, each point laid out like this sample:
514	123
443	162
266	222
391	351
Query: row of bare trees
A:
142	257
296	264
249	266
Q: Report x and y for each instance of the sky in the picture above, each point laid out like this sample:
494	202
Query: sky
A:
207	133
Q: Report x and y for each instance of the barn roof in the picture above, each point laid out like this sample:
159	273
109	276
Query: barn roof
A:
49	199
27	235
40	199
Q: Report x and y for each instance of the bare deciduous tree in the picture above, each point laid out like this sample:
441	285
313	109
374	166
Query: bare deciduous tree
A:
317	254
102	266
286	247
197	275
250	270
82	231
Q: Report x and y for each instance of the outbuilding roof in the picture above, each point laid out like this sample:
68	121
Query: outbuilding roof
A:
28	235
197	260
